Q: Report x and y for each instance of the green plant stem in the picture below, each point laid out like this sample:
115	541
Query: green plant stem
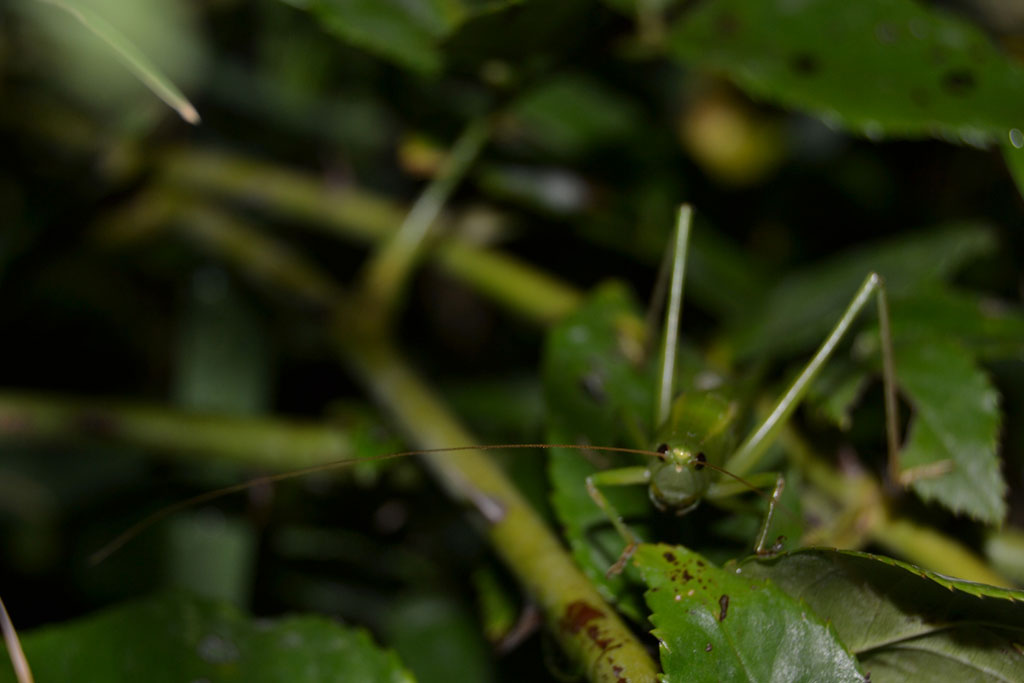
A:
589	630
357	214
260	441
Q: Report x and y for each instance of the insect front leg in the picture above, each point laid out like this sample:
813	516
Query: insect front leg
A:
724	489
623	476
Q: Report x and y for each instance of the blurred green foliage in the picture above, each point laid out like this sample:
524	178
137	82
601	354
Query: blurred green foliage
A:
203	277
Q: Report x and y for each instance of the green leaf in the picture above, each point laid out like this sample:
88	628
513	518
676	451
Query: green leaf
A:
956	421
408	32
719	625
892	67
595	389
837	390
223	362
1013	153
989	329
574	114
176	638
125	49
905	623
439	639
798	313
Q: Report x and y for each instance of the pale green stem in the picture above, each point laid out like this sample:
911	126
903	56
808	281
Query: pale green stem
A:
258	441
390	267
934	550
357	214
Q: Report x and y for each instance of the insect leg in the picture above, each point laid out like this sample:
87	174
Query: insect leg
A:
623	476
761	547
747	455
673	312
731	487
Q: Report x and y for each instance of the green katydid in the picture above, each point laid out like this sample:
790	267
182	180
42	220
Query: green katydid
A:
693	445
694	442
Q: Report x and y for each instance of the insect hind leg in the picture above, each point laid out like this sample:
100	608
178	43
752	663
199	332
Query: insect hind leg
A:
746	456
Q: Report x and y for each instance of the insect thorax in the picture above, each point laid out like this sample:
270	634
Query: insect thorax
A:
697	432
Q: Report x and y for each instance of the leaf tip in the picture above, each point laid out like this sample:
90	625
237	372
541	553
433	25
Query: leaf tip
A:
189	113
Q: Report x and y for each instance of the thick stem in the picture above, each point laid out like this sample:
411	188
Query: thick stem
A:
590	632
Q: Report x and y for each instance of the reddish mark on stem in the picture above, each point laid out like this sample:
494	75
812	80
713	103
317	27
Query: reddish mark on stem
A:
577	615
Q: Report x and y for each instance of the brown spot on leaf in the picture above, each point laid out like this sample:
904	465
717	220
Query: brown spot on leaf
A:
687	576
708	648
723	604
669	557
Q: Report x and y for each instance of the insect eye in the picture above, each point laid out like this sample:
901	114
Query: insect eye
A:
663	448
701	459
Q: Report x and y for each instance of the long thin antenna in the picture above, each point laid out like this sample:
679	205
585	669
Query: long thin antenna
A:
131	532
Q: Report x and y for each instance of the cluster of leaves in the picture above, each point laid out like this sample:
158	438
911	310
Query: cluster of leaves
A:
597	119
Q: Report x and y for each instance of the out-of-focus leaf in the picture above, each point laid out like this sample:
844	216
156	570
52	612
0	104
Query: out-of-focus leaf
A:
1013	153
406	32
1004	549
596	390
574	114
988	329
905	623
805	305
120	30
223	356
957	420
439	640
837	390
498	607
211	556
177	638
883	67
722	277
720	625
